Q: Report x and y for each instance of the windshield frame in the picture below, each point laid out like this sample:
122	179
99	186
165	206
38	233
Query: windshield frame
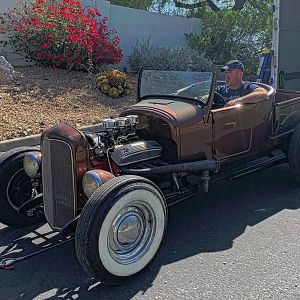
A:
176	97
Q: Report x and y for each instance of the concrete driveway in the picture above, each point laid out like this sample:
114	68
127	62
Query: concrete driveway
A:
241	241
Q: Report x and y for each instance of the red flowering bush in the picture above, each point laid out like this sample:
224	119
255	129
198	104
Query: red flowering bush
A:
62	34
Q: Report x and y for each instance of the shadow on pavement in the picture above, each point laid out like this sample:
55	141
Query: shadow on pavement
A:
196	226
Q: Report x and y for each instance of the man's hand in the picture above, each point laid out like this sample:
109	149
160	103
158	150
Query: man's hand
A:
232	103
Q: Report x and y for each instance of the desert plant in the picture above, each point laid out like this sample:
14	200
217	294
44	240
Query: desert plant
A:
114	83
146	56
61	33
116	78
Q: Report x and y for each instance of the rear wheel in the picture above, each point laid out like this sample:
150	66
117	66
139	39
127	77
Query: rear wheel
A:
16	189
120	229
294	156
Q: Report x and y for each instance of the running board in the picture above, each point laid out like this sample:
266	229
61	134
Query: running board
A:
180	198
270	162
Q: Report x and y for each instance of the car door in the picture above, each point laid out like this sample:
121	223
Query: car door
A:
232	131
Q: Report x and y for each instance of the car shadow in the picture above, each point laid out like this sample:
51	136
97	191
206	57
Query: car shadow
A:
206	224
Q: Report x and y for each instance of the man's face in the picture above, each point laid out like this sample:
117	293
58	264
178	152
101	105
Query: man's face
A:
233	77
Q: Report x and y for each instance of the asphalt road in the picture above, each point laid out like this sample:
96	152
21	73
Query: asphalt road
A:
241	241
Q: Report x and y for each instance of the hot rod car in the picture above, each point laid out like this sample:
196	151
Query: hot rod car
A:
113	187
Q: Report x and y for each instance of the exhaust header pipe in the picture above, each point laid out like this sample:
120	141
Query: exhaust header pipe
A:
202	165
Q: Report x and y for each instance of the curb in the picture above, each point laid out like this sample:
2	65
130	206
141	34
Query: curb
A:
34	140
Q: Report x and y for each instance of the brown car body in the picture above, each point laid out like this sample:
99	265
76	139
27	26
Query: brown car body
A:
231	136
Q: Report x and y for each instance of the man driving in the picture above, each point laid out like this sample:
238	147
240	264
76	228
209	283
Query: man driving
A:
236	91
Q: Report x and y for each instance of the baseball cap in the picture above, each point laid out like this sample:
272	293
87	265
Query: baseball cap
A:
233	64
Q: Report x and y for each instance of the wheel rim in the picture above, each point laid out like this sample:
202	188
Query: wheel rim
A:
19	189
131	233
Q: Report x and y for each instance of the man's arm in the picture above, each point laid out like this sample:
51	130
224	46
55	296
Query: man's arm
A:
258	95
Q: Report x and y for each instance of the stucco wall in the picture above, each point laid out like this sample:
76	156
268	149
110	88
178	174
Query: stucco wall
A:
131	25
6	4
9	52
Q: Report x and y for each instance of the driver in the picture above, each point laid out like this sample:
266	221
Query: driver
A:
236	91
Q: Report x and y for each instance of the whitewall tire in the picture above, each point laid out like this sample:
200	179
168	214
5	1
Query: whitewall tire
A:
121	228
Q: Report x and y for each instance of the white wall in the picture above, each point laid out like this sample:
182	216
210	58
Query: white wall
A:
131	25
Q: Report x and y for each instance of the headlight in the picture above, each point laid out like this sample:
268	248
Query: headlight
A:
93	179
31	163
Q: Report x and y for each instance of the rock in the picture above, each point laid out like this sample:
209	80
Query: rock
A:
16	89
7	71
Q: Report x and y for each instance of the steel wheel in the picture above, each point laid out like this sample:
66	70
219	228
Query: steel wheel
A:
19	189
131	233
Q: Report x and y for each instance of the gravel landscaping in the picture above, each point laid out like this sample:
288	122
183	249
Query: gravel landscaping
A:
39	98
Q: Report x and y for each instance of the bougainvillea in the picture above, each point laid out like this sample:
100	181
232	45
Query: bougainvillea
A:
63	34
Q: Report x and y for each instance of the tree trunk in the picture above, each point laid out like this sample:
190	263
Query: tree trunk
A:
238	5
210	3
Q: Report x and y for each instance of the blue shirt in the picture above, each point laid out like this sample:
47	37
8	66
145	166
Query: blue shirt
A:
229	94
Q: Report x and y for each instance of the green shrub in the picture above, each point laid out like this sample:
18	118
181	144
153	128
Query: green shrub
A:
146	56
229	34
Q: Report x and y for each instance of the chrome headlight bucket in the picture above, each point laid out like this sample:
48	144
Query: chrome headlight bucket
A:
32	163
93	179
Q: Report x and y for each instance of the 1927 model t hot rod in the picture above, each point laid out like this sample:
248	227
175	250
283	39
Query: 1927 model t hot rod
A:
113	187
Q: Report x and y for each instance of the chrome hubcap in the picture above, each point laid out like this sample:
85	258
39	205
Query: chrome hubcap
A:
128	229
131	233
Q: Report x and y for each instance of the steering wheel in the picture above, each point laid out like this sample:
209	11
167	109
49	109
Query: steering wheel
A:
219	101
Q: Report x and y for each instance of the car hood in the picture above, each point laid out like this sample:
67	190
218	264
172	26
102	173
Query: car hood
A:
176	112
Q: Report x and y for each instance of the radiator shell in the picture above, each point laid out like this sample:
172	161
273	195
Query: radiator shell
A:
64	162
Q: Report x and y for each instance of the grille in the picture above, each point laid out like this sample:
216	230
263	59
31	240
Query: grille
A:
58	182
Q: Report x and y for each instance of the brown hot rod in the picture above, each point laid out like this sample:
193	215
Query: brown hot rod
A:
113	187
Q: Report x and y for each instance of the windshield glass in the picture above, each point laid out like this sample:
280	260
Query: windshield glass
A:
192	85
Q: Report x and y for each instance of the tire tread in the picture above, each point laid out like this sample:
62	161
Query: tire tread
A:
294	155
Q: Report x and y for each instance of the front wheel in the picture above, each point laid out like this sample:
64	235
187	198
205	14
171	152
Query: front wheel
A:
120	229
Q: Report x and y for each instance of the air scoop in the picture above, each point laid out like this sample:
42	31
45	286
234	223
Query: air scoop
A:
136	152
